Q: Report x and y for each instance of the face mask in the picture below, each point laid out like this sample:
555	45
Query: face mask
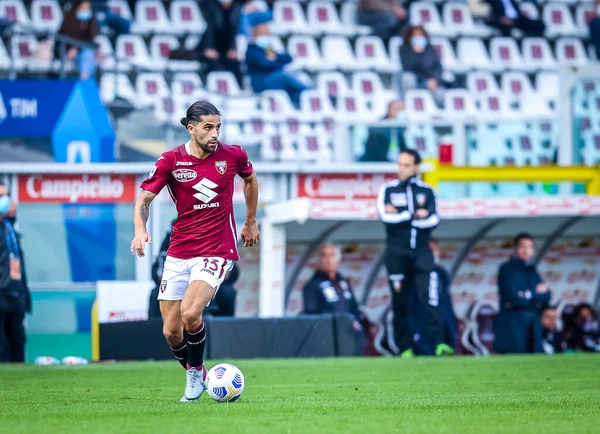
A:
4	204
84	15
263	41
419	42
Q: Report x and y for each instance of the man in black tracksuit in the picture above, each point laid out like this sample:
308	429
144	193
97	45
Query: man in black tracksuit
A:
407	207
523	294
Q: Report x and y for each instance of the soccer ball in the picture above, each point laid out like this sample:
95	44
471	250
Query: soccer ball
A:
225	383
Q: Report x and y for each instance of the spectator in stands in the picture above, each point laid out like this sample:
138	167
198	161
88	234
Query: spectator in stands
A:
595	29
582	332
551	343
385	17
15	300
380	139
266	66
217	47
522	296
119	25
506	15
329	292
421	64
80	24
254	14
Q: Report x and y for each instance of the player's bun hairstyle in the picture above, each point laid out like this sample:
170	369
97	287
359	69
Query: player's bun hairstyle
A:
414	154
197	110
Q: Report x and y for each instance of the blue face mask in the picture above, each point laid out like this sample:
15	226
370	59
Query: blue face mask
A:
84	15
4	204
419	42
263	41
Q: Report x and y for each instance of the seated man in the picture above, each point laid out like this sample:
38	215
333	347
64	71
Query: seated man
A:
551	342
329	292
505	14
265	66
385	17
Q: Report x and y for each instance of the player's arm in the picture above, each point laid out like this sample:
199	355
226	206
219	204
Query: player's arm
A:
250	234
388	212
140	218
427	217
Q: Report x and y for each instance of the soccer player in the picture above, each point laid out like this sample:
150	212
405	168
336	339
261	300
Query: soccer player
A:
200	178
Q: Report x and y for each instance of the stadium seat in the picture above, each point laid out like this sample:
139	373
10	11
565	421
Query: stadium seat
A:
481	81
394	50
351	106
370	85
370	51
517	87
570	52
458	21
4	58
558	20
313	146
458	103
590	151
583	15
121	8
323	18
426	14
186	17
494	106
167	110
537	54
257	128
132	50
117	85
529	10
547	86
332	83
338	53
23	48
505	54
275	106
240	108
472	53
46	15
305	54
231	132
446	52
160	49
105	54
288	17
222	83
316	106
348	18
419	105
277	147
150	87
423	139
151	17
186	85
15	12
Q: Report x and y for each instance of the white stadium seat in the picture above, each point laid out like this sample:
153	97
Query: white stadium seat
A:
185	85
313	146
419	105
160	49
423	139
537	54
276	106
517	87
223	83
472	53
481	81
151	17
305	54
547	86
394	50
150	87
316	106
338	53
332	83
277	147
529	10
505	54
323	18
117	85
348	18
369	84
46	15
4	57
371	51
426	14
351	106
458	103
120	8
186	17
14	11
570	52
132	50
106	55
167	110
458	21
558	20
23	49
583	15
494	106
288	17
447	56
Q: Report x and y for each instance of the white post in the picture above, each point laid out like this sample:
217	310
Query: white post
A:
272	270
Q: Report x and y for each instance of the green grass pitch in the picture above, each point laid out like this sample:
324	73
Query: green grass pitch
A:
534	394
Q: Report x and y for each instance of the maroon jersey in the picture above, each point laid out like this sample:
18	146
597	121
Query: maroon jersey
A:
203	193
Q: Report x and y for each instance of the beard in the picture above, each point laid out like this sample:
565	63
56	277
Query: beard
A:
207	147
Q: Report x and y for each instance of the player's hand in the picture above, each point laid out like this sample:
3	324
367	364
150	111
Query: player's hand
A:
389	208
541	288
422	213
139	243
356	326
211	53
250	234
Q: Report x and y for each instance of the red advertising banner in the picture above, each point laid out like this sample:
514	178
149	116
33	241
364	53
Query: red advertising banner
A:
76	188
342	185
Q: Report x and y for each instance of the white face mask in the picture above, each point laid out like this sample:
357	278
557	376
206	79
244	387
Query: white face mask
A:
4	204
418	42
263	41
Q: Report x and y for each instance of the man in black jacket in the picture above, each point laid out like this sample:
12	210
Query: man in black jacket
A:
407	208
506	14
523	294
328	291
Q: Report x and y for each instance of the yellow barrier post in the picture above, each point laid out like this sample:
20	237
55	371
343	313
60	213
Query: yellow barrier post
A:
433	177
593	186
95	332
